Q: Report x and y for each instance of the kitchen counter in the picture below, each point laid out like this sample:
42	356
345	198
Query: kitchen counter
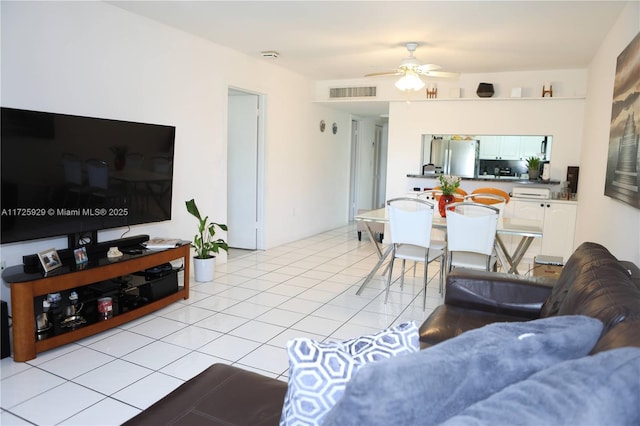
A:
492	178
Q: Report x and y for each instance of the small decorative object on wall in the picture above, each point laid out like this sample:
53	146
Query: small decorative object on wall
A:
334	128
80	255
485	90
623	160
432	91
323	125
547	89
49	260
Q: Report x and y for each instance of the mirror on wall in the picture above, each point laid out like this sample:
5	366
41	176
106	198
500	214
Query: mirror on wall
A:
495	155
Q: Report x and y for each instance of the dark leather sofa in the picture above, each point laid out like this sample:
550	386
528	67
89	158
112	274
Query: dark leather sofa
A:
592	283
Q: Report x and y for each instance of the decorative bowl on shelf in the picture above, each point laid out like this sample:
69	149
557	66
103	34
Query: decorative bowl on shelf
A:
485	90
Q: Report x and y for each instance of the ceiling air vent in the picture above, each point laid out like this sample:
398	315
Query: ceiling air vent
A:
352	92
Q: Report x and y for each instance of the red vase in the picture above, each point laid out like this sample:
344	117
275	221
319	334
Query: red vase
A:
119	162
442	204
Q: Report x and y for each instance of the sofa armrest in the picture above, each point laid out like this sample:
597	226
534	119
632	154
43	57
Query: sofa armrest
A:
496	292
220	395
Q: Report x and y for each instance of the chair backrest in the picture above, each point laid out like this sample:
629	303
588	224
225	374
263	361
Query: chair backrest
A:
459	194
161	165
471	227
72	166
494	200
494	191
410	221
98	174
432	196
135	160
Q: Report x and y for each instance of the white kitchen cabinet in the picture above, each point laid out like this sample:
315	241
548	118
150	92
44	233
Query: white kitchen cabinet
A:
530	146
489	147
558	225
509	147
499	148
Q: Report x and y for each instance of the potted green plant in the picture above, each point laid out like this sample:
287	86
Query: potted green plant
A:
206	244
533	163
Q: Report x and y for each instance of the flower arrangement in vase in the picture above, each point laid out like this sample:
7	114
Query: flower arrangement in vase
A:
448	186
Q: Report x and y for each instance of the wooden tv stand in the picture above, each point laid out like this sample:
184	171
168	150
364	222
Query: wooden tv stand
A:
27	286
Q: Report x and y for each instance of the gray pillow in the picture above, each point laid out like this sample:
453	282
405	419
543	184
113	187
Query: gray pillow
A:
432	385
603	389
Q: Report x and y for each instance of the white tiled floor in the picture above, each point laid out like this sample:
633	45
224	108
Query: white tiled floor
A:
257	302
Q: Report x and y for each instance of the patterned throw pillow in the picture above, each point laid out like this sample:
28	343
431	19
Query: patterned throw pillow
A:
319	372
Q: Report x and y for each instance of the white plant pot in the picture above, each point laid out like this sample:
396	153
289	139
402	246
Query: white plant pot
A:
204	269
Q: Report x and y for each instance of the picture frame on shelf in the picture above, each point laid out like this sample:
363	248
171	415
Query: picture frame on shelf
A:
80	255
49	259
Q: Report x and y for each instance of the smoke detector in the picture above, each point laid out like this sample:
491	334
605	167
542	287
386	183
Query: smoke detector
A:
270	54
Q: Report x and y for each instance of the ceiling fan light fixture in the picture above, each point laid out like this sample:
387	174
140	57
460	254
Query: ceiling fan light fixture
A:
410	82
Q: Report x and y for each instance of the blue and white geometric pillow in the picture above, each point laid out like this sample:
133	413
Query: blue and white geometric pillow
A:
319	372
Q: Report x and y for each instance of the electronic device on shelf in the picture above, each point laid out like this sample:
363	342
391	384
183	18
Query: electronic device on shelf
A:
47	162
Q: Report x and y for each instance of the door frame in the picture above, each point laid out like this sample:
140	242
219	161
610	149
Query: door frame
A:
260	162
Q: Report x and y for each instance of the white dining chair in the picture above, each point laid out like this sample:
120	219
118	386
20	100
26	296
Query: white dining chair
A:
99	184
73	177
410	224
493	200
471	235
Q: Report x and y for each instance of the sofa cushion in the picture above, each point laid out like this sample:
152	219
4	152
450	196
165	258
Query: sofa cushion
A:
319	372
603	291
502	293
602	389
587	255
439	382
448	321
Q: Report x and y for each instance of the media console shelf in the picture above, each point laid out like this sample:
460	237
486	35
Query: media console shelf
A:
25	287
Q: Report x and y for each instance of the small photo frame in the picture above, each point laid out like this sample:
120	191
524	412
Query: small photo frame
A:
80	255
49	259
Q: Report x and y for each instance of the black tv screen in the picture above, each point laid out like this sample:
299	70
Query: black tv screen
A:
65	175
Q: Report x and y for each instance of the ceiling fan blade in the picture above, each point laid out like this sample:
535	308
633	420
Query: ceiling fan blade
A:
441	74
428	67
380	74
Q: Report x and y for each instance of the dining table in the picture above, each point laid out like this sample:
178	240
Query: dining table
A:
526	229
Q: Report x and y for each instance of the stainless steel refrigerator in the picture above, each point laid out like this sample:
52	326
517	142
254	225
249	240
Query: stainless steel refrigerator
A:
456	157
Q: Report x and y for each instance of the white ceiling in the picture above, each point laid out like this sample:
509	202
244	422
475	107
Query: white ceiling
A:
330	40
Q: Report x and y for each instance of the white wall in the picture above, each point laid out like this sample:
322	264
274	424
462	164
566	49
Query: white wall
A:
602	219
94	59
561	118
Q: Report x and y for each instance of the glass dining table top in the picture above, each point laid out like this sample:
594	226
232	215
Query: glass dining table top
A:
507	226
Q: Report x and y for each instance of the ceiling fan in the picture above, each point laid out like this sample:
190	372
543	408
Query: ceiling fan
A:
411	70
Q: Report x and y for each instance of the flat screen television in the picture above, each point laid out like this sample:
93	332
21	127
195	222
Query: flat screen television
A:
67	175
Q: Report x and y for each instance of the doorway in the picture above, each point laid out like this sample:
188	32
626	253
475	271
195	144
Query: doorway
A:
245	164
368	177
